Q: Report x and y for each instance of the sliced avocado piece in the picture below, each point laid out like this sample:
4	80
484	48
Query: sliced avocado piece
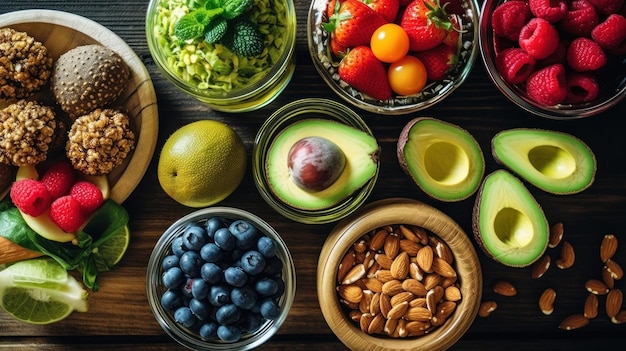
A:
443	159
508	223
361	152
556	162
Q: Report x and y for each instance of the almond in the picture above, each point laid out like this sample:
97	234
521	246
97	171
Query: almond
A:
355	315
574	321
376	325
378	239
392	287
417	327
590	309
383	260
608	247
414	286
540	267
504	288
365	321
398	311
345	265
442	250
410	247
408	234
384	275
607	277
357	272
401	330
443	268
596	287
613	302
404	296
433	296
365	303
390	326
418	314
400	266
418	302
350	292
568	256
391	246
615	269
360	246
619	318
373	284
452	293
486	307
375	303
447	281
556	234
421	234
444	310
546	301
385	304
425	258
431	280
416	272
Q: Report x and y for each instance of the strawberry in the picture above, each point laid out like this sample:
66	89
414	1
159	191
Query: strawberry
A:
339	51
386	8
365	73
454	35
353	23
439	61
426	23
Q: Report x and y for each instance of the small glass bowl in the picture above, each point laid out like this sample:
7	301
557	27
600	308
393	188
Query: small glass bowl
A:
176	62
274	125
433	92
612	80
188	337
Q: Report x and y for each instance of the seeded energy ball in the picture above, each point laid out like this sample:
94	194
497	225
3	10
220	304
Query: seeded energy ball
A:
26	131
88	77
99	141
25	65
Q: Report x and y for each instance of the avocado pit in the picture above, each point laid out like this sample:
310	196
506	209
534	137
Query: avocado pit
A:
315	163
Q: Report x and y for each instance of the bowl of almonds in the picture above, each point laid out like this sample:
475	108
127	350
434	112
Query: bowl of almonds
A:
399	275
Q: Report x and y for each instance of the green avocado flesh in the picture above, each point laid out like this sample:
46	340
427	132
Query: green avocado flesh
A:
360	149
444	160
508	223
555	162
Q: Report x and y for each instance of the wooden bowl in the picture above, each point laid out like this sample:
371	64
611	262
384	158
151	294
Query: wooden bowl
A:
61	31
389	212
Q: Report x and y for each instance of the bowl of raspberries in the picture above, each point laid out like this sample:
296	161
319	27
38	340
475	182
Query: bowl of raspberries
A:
393	57
560	59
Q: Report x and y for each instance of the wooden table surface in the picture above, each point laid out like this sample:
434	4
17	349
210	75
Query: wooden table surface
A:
119	317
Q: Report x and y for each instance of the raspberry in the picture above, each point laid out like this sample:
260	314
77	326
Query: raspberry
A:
584	54
87	194
610	33
547	86
30	196
539	38
59	178
607	7
580	19
515	65
508	19
558	56
67	213
581	87
550	10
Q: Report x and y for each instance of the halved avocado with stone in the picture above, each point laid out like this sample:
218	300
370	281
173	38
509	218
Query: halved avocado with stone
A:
361	151
555	162
443	159
508	223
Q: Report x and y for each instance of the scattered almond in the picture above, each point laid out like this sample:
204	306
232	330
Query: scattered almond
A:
574	321
596	287
613	302
486	307
615	269
568	256
590	309
540	267
546	301
607	277
504	288
619	318
556	234
608	247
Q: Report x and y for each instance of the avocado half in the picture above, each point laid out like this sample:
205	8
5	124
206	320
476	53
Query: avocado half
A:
508	223
555	162
361	152
443	159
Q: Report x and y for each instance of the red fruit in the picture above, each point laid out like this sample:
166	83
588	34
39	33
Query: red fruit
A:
353	23
610	33
607	7
547	86
508	19
515	65
338	50
426	23
539	38
365	73
550	10
438	61
558	56
388	9
59	178
405	3
330	7
454	34
30	196
580	19
584	54
581	87
67	213
87	194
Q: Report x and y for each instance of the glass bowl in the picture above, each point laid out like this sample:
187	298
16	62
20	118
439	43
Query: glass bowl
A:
361	230
285	116
431	94
189	337
212	73
611	78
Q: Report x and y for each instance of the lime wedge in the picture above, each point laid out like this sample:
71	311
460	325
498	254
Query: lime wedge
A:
110	252
40	291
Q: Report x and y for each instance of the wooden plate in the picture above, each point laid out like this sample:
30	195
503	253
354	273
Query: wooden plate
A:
61	31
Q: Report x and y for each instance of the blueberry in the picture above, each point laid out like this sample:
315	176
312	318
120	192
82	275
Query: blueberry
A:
170	261
212	225
266	286
281	286
273	266
171	300
194	237
173	278
199	308
224	239
219	295
186	288
251	322
184	317
269	308
266	246
211	273
211	253
244	297
178	248
190	263
229	333
200	289
235	276
245	233
253	262
228	314
208	330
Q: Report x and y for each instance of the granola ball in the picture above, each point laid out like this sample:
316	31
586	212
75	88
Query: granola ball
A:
25	65
26	131
100	141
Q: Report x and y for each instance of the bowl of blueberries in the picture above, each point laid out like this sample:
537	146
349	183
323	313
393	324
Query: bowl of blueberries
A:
220	278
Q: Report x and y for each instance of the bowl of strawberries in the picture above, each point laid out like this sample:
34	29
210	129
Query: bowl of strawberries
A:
559	59
393	57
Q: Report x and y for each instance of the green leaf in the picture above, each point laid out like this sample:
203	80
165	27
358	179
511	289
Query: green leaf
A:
215	30
234	8
13	227
188	27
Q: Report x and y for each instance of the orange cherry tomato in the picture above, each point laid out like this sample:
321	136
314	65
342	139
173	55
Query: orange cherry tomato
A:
389	43
407	76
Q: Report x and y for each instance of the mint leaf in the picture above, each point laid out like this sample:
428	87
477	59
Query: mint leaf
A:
188	27
215	30
234	8
213	4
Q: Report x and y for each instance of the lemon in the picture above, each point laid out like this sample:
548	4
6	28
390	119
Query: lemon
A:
40	291
201	163
110	252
